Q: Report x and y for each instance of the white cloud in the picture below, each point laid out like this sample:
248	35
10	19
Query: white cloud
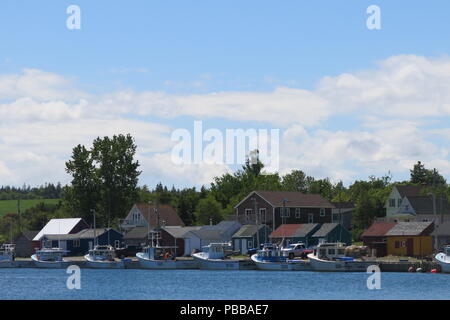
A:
43	115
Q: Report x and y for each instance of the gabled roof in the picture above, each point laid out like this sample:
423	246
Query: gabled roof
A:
247	230
424	205
378	229
58	226
293	230
325	229
343	205
409	190
167	214
222	230
29	235
137	233
411	229
83	234
294	199
180	232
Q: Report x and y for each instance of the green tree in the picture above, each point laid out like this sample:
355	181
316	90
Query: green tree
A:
423	176
209	209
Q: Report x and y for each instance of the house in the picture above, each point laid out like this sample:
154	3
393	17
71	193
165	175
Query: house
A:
221	232
295	233
441	235
180	237
247	237
299	208
423	209
411	239
395	198
25	246
332	232
62	227
80	243
375	237
151	217
342	213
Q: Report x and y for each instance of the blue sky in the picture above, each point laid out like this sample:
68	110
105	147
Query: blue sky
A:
185	48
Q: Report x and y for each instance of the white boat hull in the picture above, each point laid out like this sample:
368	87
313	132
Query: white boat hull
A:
444	262
338	266
49	264
222	264
293	265
165	264
97	264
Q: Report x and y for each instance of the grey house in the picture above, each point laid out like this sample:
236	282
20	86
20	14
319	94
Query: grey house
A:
246	237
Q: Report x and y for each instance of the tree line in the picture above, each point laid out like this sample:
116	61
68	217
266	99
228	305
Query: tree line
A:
105	179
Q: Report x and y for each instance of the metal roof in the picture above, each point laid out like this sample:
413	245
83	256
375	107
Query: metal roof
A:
325	229
409	229
293	230
58	226
83	234
247	231
137	233
378	229
180	232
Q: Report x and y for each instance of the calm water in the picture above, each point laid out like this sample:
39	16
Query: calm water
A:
201	284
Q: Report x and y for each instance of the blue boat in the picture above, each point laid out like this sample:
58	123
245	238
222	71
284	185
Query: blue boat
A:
272	257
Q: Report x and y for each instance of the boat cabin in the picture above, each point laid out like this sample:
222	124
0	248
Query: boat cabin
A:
447	251
160	252
215	250
103	253
330	251
50	254
7	252
271	252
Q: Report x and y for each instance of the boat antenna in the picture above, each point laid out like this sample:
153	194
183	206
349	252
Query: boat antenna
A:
283	216
95	234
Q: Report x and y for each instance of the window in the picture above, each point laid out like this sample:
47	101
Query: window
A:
136	216
322	212
397	244
249	244
399	202
76	243
248	212
331	251
262	214
286	213
297	213
392	203
117	244
310	218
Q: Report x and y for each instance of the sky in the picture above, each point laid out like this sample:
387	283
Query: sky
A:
349	102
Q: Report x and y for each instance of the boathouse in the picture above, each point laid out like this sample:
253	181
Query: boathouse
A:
181	238
247	237
221	232
81	242
332	232
295	233
411	239
25	246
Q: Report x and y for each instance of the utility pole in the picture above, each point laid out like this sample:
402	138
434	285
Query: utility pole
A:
18	214
95	235
256	221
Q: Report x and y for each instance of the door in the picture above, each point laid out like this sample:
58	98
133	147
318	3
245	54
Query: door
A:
244	246
410	247
236	244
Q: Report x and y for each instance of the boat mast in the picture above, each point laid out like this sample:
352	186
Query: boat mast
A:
95	234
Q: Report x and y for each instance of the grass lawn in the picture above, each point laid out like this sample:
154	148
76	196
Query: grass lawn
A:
10	206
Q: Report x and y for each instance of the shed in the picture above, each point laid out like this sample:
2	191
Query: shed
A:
375	237
246	237
332	232
295	233
180	237
25	246
411	239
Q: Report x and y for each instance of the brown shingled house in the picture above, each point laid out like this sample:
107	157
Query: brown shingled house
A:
299	208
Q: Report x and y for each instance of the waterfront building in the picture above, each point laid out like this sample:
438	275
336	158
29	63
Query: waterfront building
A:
25	246
247	237
412	239
295	233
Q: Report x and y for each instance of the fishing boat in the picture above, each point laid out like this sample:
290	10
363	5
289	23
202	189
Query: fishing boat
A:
331	257
274	258
155	256
213	257
50	258
7	255
443	259
102	256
